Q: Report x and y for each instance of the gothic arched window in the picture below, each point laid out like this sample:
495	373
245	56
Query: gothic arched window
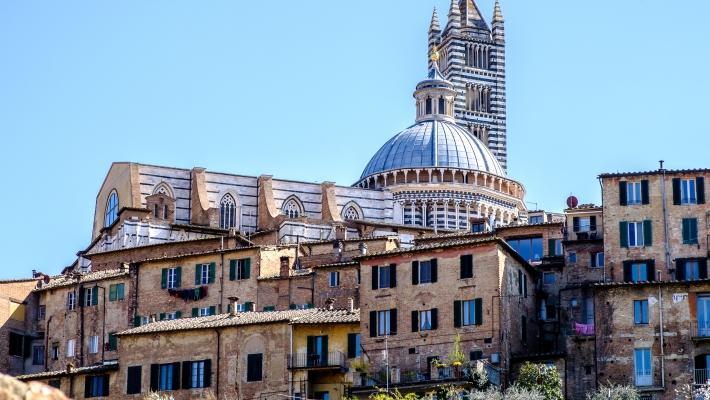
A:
441	106
428	105
111	213
227	212
351	213
292	209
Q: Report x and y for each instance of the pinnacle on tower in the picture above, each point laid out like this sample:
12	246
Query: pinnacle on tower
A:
454	21
498	30
434	26
471	13
497	14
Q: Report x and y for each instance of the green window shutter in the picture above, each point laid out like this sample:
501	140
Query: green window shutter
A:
309	305
247	268
95	296
136	320
178	276
164	278
478	304
269	308
112	341
195	312
700	189
457	314
694	230
292	306
248	306
622	193
624	233
178	314
213	310
647	233
213	267
676	191
198	274
644	192
685	231
162	316
232	270
551	247
120	294
112	293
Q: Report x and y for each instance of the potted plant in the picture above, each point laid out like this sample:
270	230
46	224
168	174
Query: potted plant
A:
456	357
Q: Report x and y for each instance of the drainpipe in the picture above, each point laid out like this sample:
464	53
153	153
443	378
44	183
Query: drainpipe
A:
80	296
663	354
103	325
290	355
216	377
667	254
221	278
46	343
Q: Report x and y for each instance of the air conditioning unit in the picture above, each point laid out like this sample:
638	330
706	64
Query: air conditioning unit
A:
495	358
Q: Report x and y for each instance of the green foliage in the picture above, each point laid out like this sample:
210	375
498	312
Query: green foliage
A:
395	395
478	377
540	378
456	357
157	396
360	365
613	392
513	393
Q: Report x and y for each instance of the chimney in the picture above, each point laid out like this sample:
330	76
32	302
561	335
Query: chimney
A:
70	368
363	248
152	318
351	305
329	303
233	309
284	267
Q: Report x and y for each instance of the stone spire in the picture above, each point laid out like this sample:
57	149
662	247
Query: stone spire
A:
498	27
434	26
471	13
454	22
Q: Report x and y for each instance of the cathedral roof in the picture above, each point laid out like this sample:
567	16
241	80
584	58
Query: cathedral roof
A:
434	143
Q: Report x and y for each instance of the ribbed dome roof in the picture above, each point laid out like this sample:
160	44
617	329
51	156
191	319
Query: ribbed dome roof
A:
433	143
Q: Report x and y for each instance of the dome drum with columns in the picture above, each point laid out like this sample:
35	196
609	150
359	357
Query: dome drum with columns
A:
440	174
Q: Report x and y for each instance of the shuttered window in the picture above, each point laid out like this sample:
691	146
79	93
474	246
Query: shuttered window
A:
690	230
239	269
466	266
254	367
133	379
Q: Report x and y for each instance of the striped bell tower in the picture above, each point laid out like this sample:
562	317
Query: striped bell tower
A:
472	56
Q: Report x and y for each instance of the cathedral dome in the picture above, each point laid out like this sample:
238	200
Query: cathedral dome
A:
434	142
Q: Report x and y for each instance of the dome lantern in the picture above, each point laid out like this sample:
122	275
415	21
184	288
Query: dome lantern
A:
435	95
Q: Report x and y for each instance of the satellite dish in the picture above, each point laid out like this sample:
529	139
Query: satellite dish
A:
572	202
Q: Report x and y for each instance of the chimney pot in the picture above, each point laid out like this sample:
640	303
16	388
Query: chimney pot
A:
351	304
329	303
233	300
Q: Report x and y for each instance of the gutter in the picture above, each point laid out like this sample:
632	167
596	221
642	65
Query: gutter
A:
216	386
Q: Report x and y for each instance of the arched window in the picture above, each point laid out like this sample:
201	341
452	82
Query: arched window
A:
163	188
227	212
441	106
428	105
351	213
111	213
291	208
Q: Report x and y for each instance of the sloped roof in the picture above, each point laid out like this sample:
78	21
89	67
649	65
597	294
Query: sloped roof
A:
94	276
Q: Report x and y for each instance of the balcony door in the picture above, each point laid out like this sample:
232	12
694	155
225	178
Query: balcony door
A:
704	315
317	348
643	370
702	362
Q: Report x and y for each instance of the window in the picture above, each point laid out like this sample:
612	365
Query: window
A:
642	367
165	211
582	224
111	213
424	272
598	259
96	386
169	316
535	219
93	344
91	296
70	347
383	323
639	271
689	269
690	230
133	379
71	300
165	376
687	192
112	342
428	105
351	213
155	211
633	193
205	273
171	278
239	269
548	278
292	209
227	212
635	234
478	227
384	277
554	247
116	292
466	266
572	257
200	374
528	248
41	311
16	344
424	320
334	278
468	312
254	367
204	311
522	284
55	351
354	349
37	355
641	312
441	106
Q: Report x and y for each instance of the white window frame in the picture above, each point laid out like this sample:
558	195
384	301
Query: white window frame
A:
383	323
688	192
169	316
468	312
71	303
145	319
334	278
692	270
71	347
205	311
599	256
425	322
93	344
559	249
585	224
643	373
422	264
172	278
380	281
227	212
535	219
88	295
204	274
197	374
633	193
636	234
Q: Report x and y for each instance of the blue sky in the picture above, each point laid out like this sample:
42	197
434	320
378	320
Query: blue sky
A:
310	90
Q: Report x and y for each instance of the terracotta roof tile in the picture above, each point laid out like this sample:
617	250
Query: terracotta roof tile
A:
68	280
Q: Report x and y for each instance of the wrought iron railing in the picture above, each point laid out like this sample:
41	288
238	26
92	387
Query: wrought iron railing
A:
316	360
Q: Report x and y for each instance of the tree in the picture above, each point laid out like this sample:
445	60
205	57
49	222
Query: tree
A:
395	395
613	392
541	378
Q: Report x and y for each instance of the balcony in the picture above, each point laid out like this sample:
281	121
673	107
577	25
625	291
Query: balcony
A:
333	359
415	378
702	376
700	330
